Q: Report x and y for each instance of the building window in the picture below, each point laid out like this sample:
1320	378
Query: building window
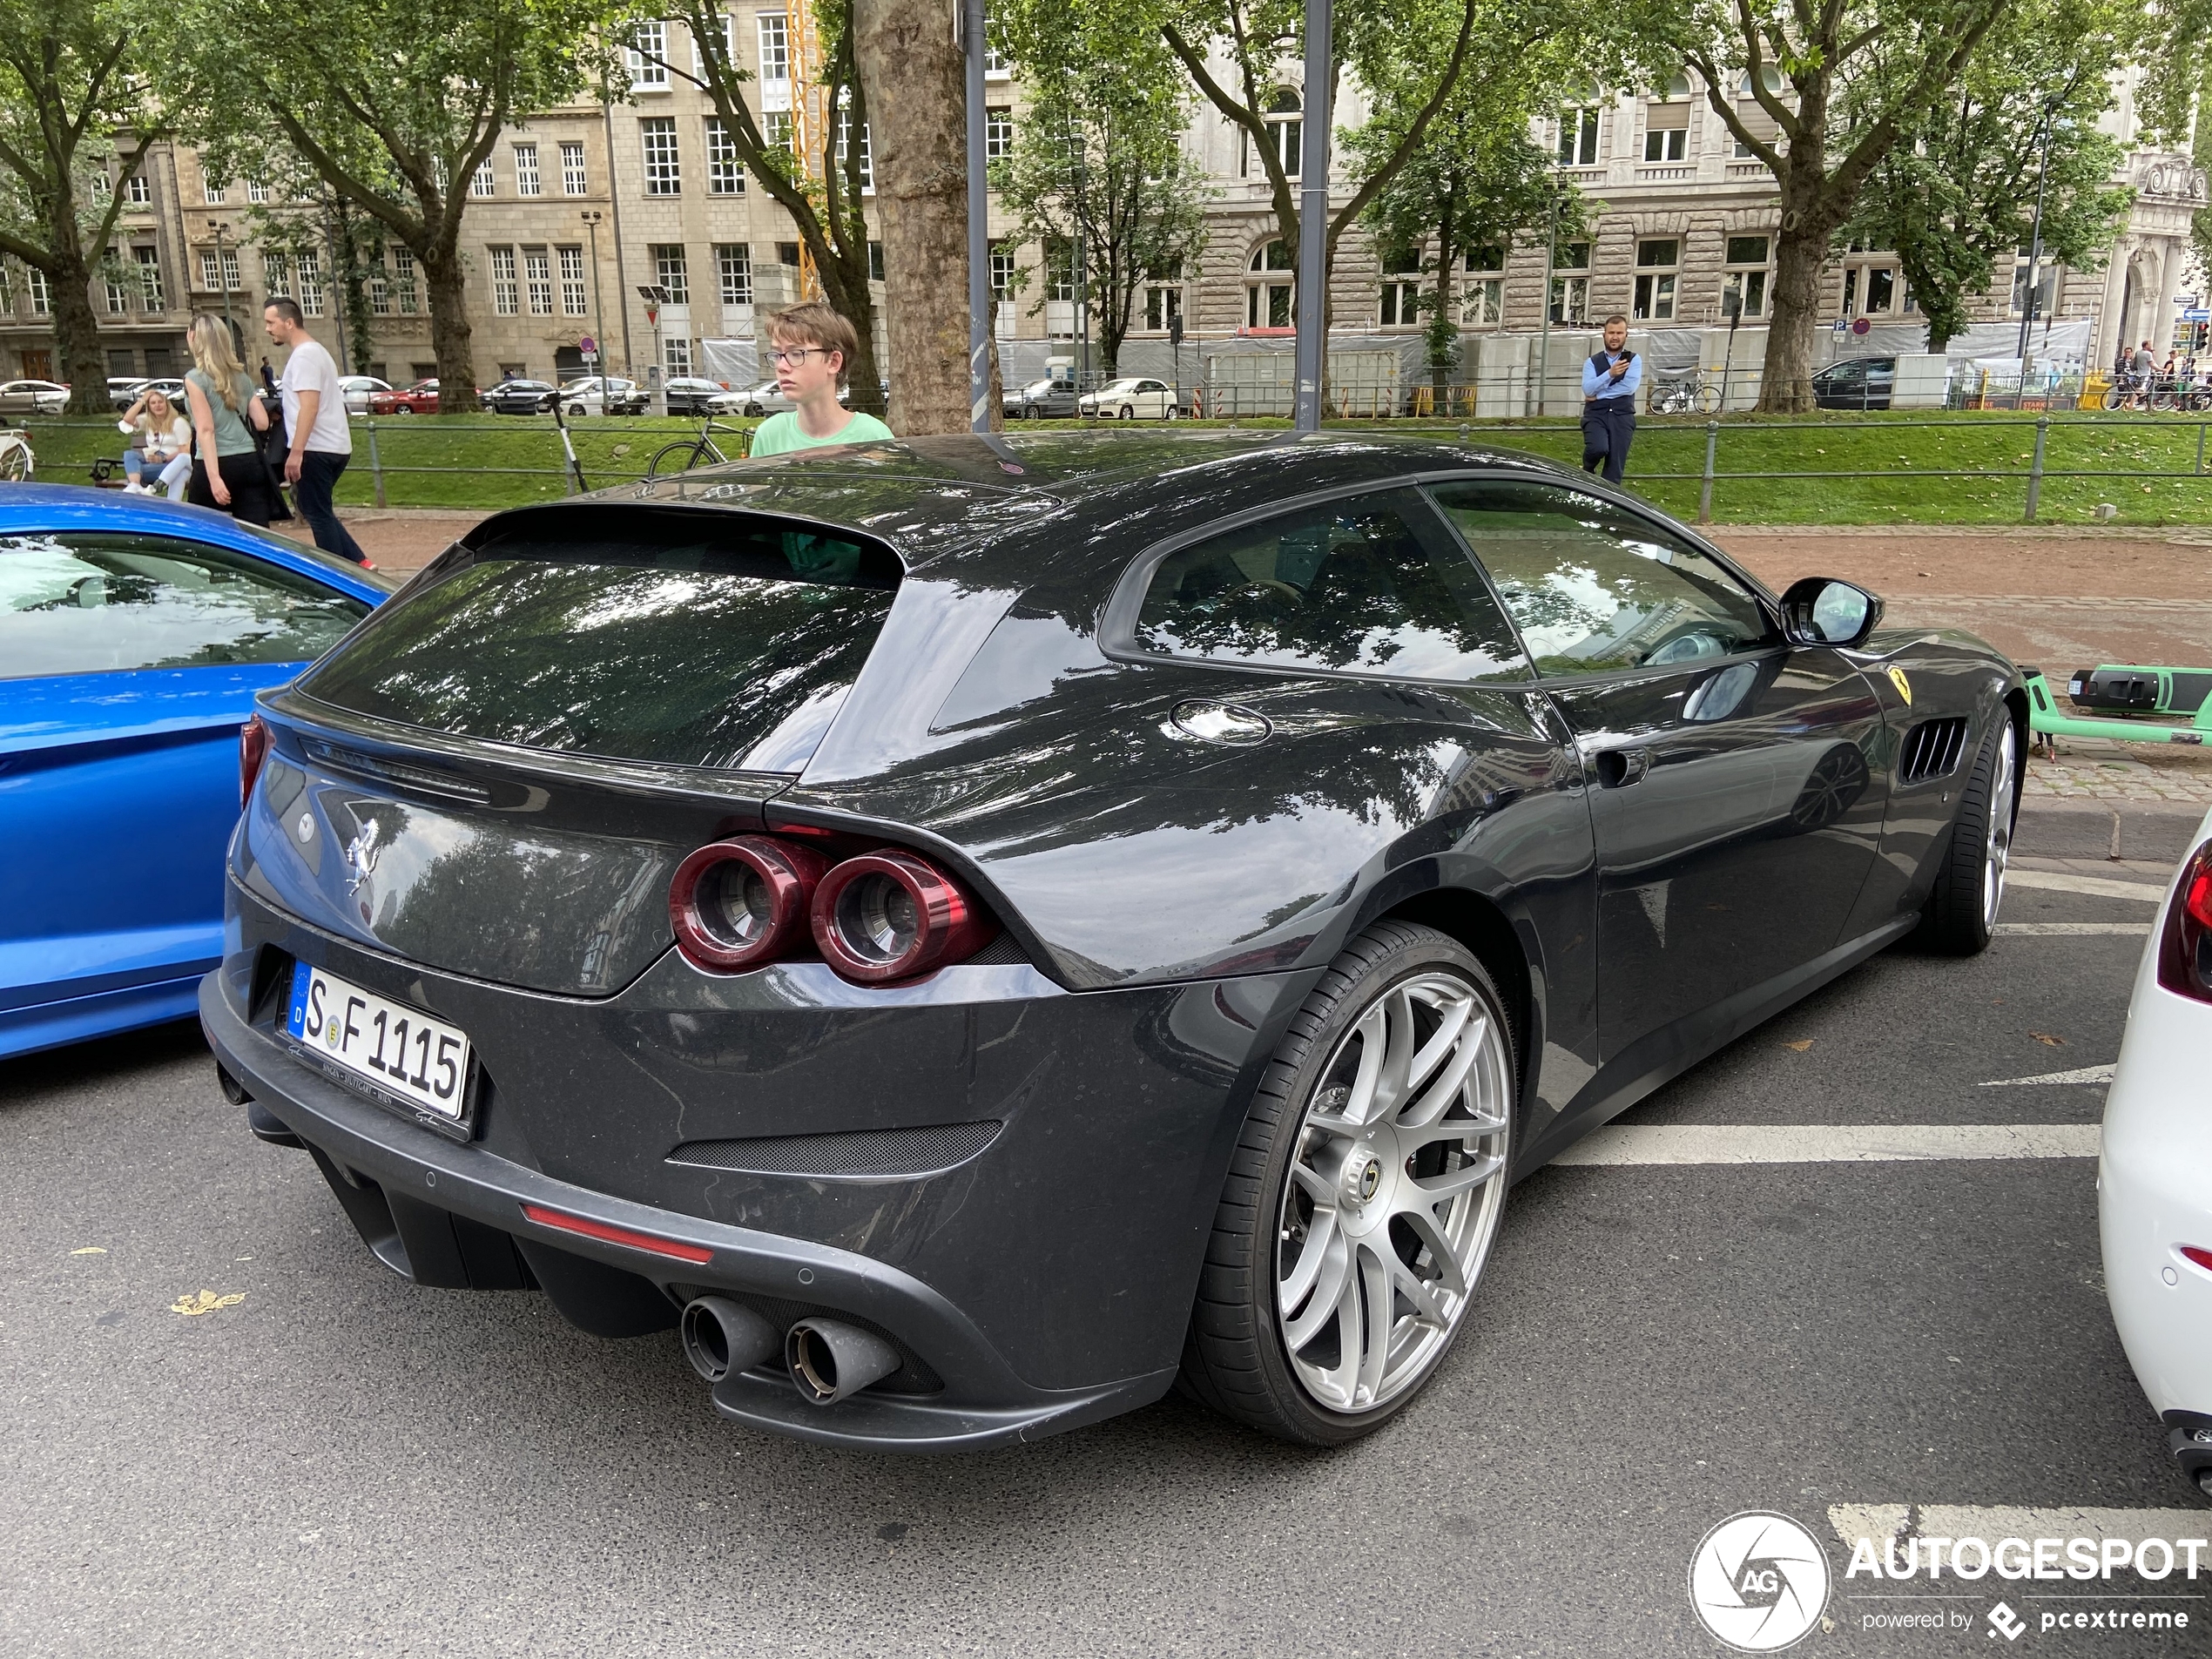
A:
42	292
672	272
1658	267
138	191
483	183
118	295
1401	288
1482	286
1666	123
734	268
648	56
380	284
676	356
1578	137
572	179
1060	273
729	54
257	190
2047	284
1269	290
996	63
276	274
537	278
572	294
403	279
875	261
1571	284
1746	276
503	295
775	60
212	190
1003	266
664	176
1286	135
1752	113
150	294
1162	300
310	274
724	176
526	182
845	136
998	133
1666	143
776	132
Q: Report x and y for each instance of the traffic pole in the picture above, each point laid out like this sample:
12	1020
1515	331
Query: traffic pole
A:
1313	219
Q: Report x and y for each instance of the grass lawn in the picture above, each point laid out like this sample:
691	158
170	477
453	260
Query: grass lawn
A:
490	462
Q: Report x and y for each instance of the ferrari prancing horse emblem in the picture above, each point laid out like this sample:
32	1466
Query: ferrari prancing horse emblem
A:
1903	685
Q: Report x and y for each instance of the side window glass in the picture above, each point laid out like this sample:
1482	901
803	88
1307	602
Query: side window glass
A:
1368	586
1596	589
81	603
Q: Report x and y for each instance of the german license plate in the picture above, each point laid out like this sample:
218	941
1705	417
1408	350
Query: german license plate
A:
391	1051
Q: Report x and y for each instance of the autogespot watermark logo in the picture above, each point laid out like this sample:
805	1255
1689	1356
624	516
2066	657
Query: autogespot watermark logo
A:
1759	1581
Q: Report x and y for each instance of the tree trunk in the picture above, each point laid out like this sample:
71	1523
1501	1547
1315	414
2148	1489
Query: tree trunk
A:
920	140
445	280
76	334
1800	254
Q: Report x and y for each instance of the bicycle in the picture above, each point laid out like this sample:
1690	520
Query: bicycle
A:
702	451
17	460
1686	394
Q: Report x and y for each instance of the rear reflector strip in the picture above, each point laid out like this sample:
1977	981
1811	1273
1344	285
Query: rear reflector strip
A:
606	1234
2202	1258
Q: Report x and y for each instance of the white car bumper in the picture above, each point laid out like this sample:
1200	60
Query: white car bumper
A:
2154	1195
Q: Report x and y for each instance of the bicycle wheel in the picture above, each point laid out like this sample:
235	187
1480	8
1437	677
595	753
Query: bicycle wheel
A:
15	462
1708	400
682	457
2114	396
2161	401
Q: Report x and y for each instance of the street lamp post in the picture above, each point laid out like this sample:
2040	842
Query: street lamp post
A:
1313	219
591	218
1533	400
337	290
655	297
978	228
2035	237
223	277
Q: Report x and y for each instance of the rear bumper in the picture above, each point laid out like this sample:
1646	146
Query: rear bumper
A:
1042	1283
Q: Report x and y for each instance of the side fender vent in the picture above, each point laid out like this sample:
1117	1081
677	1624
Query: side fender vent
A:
1931	750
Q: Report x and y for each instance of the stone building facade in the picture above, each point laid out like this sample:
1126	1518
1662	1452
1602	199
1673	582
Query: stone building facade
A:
579	207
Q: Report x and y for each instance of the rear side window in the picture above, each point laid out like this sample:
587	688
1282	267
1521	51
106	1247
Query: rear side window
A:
702	639
1368	586
84	603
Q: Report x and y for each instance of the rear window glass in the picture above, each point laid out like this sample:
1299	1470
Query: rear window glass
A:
696	639
93	603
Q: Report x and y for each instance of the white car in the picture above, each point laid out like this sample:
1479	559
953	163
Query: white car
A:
33	397
2154	1177
1132	399
768	398
582	396
356	390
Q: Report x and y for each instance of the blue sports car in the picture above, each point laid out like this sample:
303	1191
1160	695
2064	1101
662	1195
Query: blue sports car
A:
134	633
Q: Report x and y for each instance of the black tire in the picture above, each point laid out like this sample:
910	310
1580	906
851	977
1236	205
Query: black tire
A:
1960	915
680	457
1236	1358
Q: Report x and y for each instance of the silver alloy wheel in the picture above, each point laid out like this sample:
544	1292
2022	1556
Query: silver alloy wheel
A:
1395	1190
2003	779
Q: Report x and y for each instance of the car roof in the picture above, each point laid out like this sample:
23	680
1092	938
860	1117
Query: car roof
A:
965	496
27	510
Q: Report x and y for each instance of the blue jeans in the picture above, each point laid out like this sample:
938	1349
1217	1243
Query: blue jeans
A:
319	473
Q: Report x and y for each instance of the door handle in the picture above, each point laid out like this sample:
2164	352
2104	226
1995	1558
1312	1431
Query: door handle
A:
1618	768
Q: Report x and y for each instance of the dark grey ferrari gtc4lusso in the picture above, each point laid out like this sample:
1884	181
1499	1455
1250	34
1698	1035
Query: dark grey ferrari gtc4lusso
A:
973	931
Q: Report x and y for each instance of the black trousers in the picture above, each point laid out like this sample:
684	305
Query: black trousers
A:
247	477
1608	426
319	473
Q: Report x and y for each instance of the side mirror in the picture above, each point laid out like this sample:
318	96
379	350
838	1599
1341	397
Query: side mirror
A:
1823	610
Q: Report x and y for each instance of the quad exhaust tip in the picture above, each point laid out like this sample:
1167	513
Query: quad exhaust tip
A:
830	1359
721	1336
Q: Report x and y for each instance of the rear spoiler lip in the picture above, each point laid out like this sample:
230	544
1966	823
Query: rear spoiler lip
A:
294	718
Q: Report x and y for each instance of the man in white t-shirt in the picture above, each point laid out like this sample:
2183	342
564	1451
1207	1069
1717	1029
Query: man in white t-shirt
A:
314	414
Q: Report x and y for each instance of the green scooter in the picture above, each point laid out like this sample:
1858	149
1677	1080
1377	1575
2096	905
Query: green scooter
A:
2130	691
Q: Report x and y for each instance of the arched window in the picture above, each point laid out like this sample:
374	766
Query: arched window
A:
1770	77
1666	123
1270	291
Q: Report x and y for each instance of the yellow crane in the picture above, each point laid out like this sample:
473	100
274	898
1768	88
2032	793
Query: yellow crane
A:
809	117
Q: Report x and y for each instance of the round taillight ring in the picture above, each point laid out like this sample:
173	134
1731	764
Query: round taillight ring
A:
891	914
739	903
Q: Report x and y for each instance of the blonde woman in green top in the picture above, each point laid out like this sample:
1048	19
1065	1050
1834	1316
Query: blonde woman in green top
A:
227	471
811	345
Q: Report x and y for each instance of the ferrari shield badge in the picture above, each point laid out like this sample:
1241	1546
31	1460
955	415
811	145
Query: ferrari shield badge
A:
1903	685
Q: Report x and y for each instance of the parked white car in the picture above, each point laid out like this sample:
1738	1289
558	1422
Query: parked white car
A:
1131	399
33	397
2155	1179
768	398
582	396
357	388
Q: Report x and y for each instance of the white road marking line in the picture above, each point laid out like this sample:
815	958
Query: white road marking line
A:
2070	929
1883	1521
2085	1075
1829	1142
2096	885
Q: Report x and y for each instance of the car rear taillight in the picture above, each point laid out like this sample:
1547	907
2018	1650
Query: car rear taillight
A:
892	915
742	902
253	749
2202	1258
2185	951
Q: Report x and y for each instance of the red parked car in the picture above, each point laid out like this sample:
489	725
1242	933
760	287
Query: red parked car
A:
422	398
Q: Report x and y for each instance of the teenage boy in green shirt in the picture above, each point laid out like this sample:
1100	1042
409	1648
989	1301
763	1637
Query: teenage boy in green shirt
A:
811	345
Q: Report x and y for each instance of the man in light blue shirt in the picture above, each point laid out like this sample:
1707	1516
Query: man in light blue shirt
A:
1609	382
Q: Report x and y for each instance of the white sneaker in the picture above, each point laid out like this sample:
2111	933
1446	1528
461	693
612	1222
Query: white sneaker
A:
134	490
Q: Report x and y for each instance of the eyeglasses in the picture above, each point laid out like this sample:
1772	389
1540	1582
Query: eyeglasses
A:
797	356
